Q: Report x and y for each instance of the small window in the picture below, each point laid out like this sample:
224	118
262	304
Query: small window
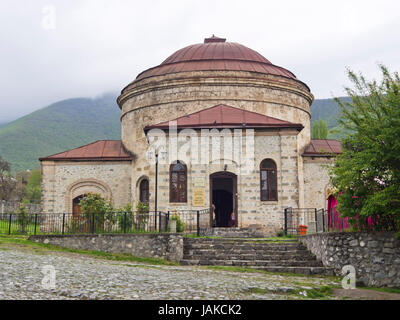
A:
144	191
178	183
268	180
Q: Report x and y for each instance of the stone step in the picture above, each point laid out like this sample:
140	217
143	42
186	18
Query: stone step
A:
237	240
234	232
244	252
241	247
303	257
252	263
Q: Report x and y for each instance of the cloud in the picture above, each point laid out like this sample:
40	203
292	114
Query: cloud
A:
100	45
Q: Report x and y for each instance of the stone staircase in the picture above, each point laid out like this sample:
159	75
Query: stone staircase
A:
286	256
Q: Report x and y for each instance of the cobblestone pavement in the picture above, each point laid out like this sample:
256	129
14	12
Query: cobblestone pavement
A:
82	277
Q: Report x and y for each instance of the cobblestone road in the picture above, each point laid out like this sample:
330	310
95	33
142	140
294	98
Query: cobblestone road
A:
82	277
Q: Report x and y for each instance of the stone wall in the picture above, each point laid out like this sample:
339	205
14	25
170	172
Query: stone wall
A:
13	206
164	246
164	98
167	97
316	181
62	181
278	145
375	256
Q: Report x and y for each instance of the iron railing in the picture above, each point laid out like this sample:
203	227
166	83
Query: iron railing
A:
190	221
315	220
104	223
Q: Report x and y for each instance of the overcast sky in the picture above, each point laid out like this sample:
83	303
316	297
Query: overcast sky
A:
58	49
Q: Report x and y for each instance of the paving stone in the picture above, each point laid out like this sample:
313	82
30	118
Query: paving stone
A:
81	277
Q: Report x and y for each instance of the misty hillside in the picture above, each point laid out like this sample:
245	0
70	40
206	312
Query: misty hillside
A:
63	125
75	122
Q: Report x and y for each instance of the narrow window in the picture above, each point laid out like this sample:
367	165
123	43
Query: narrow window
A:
178	182
144	191
268	180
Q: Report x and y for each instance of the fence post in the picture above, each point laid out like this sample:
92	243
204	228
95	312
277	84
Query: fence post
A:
285	215
63	225
35	223
316	220
167	222
93	223
198	223
9	225
159	222
323	220
125	222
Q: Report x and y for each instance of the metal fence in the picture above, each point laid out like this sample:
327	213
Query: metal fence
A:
191	220
315	220
107	223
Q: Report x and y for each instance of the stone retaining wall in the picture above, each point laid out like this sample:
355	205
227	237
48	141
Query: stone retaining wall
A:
164	246
7	207
375	256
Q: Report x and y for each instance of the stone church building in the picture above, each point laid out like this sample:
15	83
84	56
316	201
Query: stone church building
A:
230	130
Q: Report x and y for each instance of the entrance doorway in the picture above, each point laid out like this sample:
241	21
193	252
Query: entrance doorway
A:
223	200
76	208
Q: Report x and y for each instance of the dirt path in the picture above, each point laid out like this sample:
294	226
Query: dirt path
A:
365	294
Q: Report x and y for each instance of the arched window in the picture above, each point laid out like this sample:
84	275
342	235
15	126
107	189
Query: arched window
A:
144	191
268	181
178	182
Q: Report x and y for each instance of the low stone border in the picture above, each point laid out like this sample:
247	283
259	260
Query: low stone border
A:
165	246
375	256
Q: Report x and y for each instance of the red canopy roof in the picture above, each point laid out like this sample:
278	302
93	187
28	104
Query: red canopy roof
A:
111	150
323	148
223	116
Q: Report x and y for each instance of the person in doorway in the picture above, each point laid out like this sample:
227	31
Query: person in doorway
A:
232	222
214	215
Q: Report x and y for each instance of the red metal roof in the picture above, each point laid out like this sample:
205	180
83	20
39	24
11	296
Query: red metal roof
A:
216	54
100	150
323	148
223	116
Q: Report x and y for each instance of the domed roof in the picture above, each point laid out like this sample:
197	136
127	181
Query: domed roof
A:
215	54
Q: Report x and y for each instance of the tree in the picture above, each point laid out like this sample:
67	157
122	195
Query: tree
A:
320	129
7	182
93	203
95	211
367	173
22	181
33	187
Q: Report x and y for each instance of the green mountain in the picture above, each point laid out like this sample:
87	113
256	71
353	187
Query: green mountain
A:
75	122
328	110
61	126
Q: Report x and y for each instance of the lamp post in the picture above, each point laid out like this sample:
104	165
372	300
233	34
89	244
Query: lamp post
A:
156	194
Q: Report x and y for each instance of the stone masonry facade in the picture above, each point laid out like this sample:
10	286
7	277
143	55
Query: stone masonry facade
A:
301	182
63	181
375	256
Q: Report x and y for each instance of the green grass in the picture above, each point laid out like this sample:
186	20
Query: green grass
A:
23	241
320	293
16	229
251	270
389	290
